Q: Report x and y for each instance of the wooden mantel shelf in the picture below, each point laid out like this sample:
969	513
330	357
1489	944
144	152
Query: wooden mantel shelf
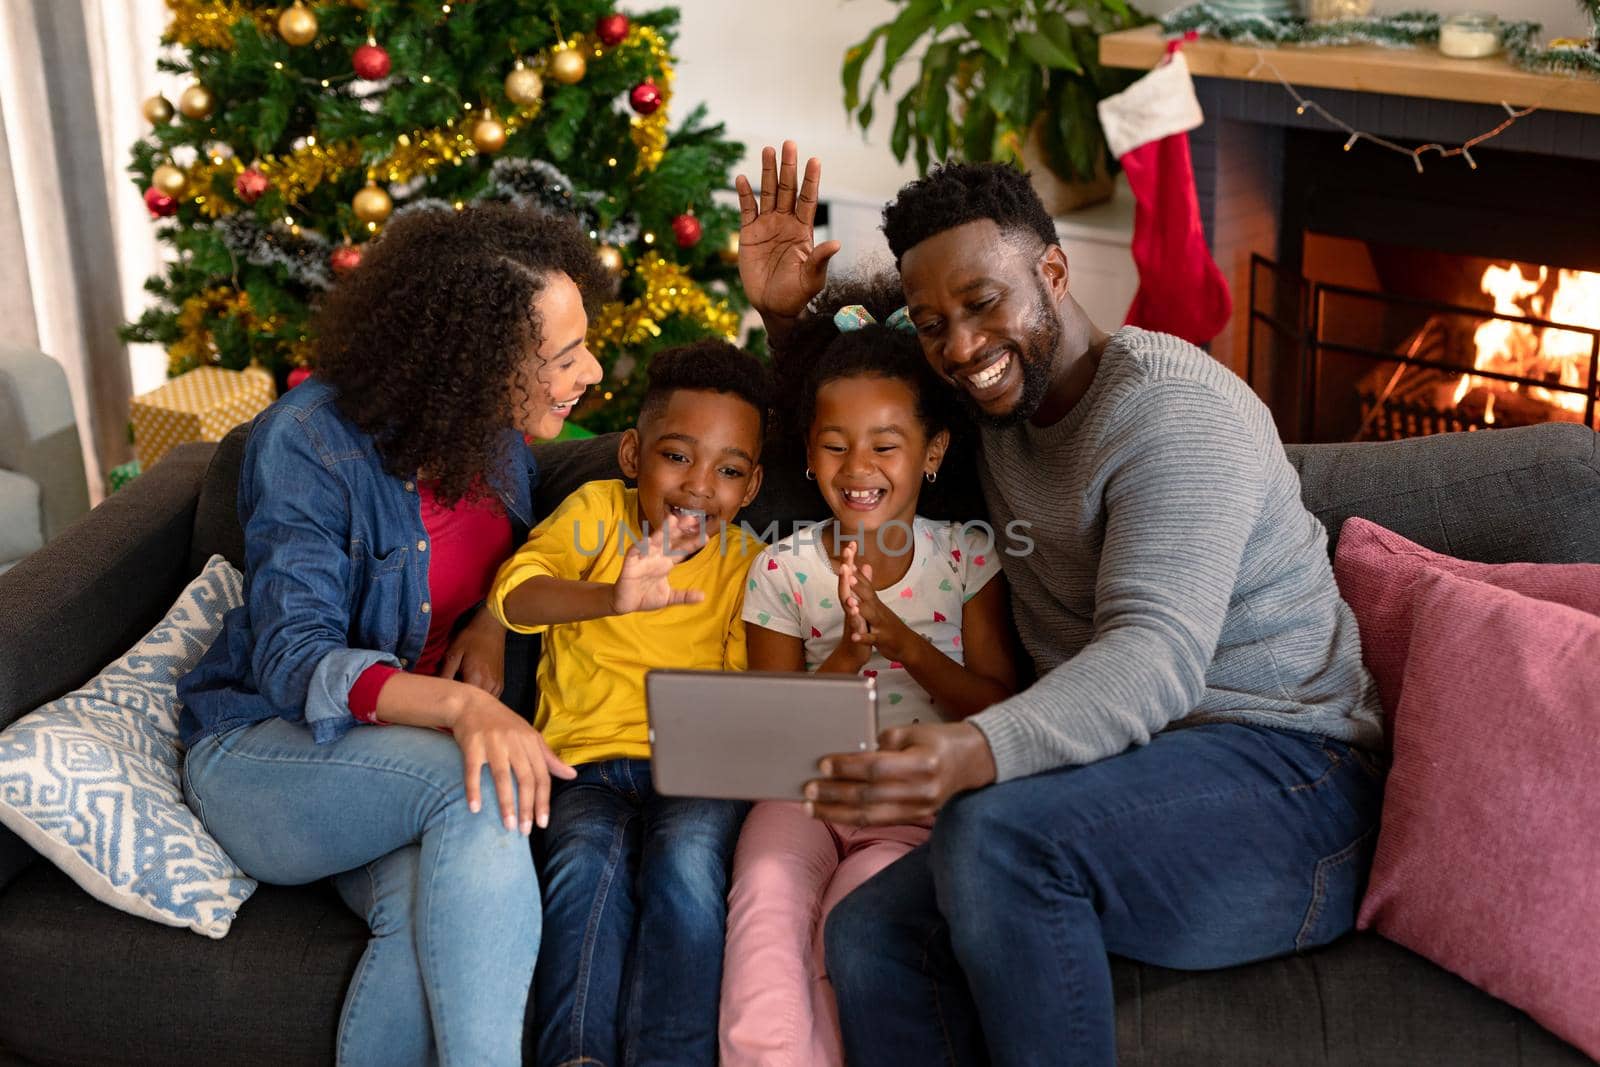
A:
1418	71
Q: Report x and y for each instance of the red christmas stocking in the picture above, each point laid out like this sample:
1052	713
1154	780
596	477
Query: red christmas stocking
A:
1181	290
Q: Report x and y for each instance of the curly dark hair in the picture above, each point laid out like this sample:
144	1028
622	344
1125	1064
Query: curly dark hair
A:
710	365
957	193
427	343
816	352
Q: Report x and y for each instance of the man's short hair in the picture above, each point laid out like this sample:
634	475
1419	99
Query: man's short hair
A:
954	194
710	365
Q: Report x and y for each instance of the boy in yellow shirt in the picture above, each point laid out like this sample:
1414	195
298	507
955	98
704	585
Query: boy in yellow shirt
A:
620	581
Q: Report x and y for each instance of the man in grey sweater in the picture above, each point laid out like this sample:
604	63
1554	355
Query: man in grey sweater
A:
1187	782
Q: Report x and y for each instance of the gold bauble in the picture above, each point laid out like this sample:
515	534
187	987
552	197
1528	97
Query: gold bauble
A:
157	110
524	86
610	258
729	252
488	134
297	25
568	66
372	204
197	102
169	179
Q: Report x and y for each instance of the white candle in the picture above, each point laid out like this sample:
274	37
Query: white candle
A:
1470	35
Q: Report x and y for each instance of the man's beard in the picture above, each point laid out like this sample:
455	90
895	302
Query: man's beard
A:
1041	337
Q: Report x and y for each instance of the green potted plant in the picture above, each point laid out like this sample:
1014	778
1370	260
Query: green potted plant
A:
1009	80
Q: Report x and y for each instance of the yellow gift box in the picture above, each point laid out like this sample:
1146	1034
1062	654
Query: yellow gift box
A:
198	405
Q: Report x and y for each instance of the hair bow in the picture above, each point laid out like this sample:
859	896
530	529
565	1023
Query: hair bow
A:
854	317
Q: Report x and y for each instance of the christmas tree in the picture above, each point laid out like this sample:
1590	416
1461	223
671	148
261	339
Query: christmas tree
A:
306	126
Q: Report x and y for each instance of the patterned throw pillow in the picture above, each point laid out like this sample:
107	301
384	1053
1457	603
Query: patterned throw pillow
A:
91	781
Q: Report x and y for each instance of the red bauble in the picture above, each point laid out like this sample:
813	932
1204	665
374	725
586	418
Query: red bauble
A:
611	29
345	259
371	62
250	184
645	97
686	228
160	204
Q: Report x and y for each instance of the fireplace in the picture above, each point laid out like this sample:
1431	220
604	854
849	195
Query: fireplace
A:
1404	314
1378	300
1520	344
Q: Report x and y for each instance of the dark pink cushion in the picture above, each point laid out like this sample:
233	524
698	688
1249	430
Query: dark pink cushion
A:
1376	569
1488	860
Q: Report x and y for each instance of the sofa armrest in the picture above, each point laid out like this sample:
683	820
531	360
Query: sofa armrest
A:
39	436
86	597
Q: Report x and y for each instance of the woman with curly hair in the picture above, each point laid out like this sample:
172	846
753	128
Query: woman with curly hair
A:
346	722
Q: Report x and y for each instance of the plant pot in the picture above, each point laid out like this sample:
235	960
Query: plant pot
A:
1061	195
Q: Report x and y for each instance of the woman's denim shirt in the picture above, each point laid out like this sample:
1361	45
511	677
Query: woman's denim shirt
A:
336	571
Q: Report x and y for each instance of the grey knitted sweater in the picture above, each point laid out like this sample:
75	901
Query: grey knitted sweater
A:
1175	576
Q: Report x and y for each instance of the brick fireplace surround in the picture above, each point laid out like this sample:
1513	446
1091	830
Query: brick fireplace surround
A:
1405	95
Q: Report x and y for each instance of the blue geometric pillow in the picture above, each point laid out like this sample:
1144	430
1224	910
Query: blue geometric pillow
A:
91	781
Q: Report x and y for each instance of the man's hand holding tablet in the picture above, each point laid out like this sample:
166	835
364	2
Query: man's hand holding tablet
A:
914	771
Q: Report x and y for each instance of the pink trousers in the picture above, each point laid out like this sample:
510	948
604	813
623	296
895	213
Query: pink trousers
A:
788	872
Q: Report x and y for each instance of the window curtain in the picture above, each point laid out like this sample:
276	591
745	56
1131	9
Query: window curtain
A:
79	242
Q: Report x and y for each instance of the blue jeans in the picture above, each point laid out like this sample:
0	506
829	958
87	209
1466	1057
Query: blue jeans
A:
1209	847
635	911
451	896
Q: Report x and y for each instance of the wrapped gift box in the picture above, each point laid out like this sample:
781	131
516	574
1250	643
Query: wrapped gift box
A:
199	405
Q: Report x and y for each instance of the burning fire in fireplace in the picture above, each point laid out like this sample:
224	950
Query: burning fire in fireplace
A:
1546	353
1408	400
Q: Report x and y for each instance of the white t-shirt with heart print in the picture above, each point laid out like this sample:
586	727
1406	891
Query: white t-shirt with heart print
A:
793	589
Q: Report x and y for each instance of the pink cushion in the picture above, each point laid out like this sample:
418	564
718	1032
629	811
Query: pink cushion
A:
1376	569
1488	859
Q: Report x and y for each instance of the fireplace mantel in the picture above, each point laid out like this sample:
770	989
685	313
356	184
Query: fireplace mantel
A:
1421	72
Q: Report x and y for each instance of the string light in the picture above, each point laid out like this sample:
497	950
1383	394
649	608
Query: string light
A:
1464	150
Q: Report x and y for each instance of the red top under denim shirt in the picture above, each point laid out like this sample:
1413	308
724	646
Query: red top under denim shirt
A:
465	545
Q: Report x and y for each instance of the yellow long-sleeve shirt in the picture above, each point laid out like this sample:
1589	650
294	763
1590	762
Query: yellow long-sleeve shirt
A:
591	673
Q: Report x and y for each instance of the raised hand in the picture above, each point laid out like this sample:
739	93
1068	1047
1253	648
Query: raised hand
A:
643	585
779	266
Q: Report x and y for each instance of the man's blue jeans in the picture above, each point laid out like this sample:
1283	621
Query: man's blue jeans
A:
450	894
1211	846
634	916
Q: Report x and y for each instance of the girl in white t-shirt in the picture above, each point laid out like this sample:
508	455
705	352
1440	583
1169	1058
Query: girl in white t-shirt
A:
878	590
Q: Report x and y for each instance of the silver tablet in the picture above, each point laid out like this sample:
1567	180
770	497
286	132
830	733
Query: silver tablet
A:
753	735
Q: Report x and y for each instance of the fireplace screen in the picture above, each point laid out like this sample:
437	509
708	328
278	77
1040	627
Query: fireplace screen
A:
1343	363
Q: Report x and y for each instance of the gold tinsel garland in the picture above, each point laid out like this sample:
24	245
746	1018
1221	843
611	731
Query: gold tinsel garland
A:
207	23
194	348
650	131
668	291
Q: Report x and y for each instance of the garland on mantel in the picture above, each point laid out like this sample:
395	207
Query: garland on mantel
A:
1408	29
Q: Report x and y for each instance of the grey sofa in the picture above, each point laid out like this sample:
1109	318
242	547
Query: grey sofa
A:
81	983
